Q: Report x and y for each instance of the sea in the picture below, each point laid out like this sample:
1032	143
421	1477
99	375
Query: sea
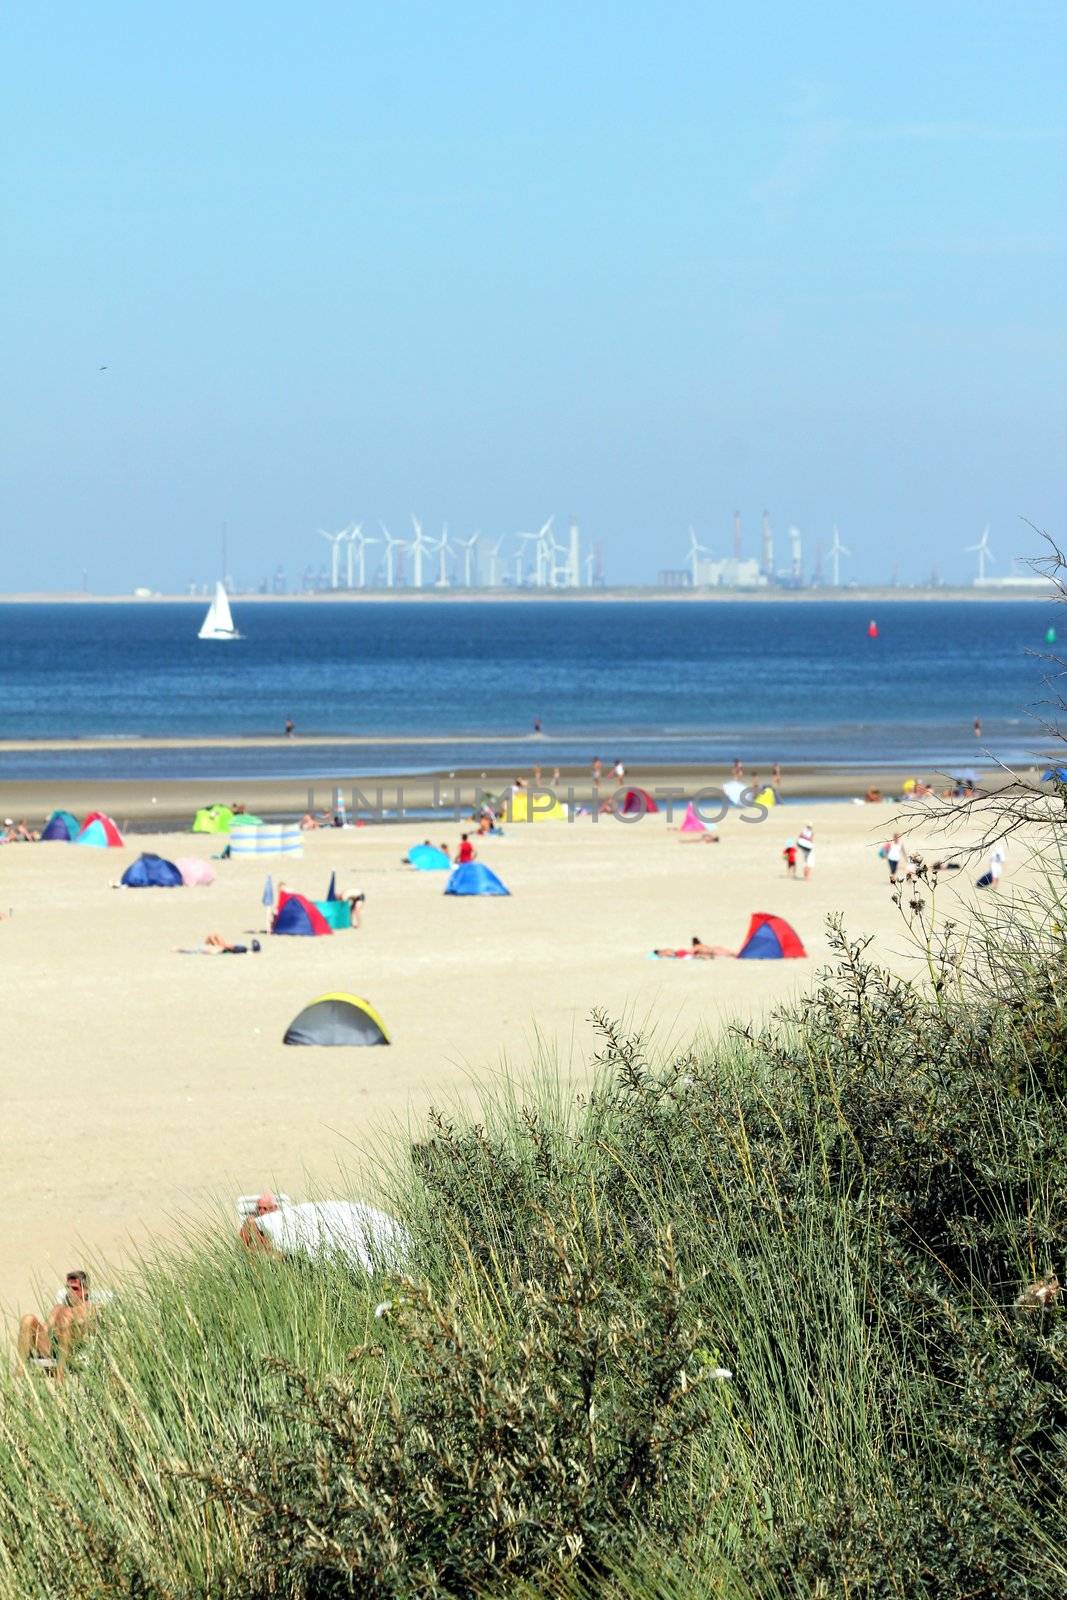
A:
431	687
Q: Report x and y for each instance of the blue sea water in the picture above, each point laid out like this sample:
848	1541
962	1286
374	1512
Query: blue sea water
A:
462	683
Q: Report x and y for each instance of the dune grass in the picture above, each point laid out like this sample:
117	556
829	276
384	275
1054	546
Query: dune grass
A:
740	1321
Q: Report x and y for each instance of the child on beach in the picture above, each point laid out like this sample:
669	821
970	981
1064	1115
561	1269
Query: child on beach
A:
790	854
806	846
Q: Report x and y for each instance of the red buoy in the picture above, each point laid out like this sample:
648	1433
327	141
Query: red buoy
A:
872	630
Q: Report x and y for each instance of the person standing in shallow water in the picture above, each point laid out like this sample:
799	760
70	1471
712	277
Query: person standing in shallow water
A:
290	727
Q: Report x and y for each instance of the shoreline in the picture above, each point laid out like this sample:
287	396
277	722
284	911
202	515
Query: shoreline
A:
1040	589
168	804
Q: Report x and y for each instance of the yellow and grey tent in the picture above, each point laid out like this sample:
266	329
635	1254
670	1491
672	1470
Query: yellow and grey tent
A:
337	1019
534	805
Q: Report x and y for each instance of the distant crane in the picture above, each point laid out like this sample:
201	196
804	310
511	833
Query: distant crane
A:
983	552
334	540
836	551
767	561
696	550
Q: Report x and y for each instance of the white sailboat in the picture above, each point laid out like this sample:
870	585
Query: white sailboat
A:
218	624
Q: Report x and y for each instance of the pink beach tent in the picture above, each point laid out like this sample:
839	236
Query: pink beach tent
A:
100	830
194	871
691	823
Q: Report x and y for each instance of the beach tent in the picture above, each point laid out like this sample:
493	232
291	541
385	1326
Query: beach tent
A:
637	802
539	806
770	939
152	872
427	858
99	831
691	823
213	819
60	825
766	797
338	913
194	871
1053	775
474	878
733	790
300	916
337	1019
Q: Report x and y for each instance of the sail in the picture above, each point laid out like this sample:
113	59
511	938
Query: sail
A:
218	624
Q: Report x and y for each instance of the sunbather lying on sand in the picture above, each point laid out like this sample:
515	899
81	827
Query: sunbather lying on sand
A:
216	945
698	951
49	1343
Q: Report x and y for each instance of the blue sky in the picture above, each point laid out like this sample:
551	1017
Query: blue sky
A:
638	265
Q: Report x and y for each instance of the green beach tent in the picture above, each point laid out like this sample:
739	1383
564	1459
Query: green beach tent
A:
213	819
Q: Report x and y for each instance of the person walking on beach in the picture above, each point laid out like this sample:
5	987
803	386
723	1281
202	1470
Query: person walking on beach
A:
466	851
776	779
290	727
537	727
598	767
618	771
895	853
806	846
790	854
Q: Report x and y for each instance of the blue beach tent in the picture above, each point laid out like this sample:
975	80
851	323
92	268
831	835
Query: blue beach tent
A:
60	825
299	916
427	858
770	939
152	872
1053	775
474	878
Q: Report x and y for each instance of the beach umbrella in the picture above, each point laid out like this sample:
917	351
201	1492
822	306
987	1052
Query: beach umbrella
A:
268	891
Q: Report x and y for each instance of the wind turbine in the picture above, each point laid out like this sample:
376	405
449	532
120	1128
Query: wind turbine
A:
391	544
983	552
335	555
543	551
444	550
363	543
418	545
494	557
835	552
696	549
467	546
589	560
355	534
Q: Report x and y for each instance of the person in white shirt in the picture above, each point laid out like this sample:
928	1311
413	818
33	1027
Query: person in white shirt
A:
321	1230
996	862
894	854
806	846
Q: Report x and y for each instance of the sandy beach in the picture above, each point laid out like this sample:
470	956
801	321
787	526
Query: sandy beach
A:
145	1087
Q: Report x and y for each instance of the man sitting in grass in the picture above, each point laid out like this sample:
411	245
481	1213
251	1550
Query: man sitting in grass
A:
48	1344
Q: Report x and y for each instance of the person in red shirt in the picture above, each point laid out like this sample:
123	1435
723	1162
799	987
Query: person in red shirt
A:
466	851
790	853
